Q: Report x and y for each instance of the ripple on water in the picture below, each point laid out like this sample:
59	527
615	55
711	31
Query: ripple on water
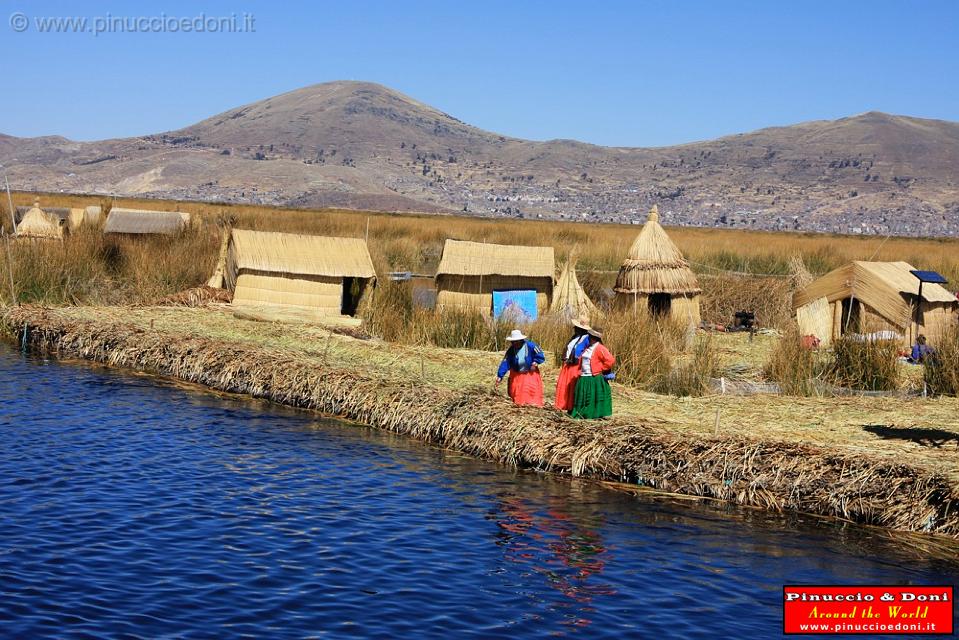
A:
130	507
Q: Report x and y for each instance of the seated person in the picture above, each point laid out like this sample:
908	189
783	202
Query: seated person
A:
920	351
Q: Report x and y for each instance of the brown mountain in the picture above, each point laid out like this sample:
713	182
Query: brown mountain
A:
361	145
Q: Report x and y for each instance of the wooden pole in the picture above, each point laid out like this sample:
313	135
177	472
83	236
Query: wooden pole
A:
13	289
13	216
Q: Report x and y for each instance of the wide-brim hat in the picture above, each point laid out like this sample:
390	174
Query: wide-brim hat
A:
596	333
515	336
581	324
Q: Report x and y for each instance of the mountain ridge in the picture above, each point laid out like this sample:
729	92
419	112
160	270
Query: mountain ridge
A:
362	145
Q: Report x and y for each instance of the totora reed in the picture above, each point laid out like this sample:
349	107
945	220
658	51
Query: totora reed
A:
732	466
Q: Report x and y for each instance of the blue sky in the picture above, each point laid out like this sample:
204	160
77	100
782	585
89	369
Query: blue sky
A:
630	73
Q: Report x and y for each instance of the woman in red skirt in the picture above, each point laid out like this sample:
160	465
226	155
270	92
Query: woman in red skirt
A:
569	372
522	361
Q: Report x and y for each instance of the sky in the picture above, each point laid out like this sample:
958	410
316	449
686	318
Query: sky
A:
642	73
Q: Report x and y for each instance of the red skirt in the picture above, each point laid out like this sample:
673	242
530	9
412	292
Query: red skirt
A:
566	386
526	388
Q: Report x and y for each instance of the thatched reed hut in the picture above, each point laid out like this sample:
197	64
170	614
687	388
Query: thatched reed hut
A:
41	224
569	299
493	279
63	213
327	276
868	297
656	278
145	222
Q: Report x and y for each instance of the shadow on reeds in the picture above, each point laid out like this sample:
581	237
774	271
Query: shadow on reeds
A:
935	438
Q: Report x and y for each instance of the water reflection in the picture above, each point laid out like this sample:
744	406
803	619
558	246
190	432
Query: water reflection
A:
566	554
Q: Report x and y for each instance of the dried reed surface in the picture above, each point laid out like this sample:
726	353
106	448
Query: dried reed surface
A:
415	243
290	366
195	297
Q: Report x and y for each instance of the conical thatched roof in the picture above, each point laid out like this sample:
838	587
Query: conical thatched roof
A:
37	223
569	299
655	264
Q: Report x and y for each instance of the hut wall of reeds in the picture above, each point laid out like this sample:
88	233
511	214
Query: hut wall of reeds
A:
569	299
40	224
865	297
327	276
469	273
655	278
92	214
146	222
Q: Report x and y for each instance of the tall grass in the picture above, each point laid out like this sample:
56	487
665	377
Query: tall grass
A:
852	364
868	365
692	376
88	267
797	370
941	370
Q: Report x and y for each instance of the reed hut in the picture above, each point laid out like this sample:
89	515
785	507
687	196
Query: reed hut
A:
37	223
569	299
138	222
93	214
656	278
868	297
327	276
491	278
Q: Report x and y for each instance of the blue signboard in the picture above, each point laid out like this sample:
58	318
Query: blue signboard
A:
519	305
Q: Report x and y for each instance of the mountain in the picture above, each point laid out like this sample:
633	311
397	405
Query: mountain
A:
362	145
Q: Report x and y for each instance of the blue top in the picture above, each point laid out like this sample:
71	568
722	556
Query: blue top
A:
521	360
920	352
576	347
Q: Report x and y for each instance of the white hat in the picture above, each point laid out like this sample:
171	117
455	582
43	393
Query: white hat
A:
515	336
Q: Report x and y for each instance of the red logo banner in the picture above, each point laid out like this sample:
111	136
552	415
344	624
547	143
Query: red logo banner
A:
892	609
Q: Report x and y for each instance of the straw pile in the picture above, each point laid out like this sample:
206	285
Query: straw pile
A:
768	474
569	299
195	297
37	223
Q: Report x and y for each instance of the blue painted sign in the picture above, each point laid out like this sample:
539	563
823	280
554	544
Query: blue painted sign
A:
520	305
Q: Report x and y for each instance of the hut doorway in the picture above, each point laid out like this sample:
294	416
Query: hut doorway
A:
352	292
851	316
659	304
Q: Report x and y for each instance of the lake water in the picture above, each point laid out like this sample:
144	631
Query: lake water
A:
131	507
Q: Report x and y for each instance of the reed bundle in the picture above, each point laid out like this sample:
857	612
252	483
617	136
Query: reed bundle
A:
758	472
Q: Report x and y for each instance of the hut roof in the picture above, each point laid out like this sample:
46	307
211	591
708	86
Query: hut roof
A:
463	258
272	252
569	299
37	223
655	265
144	221
887	287
63	213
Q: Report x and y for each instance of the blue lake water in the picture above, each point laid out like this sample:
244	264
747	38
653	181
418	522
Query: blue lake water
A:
131	507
